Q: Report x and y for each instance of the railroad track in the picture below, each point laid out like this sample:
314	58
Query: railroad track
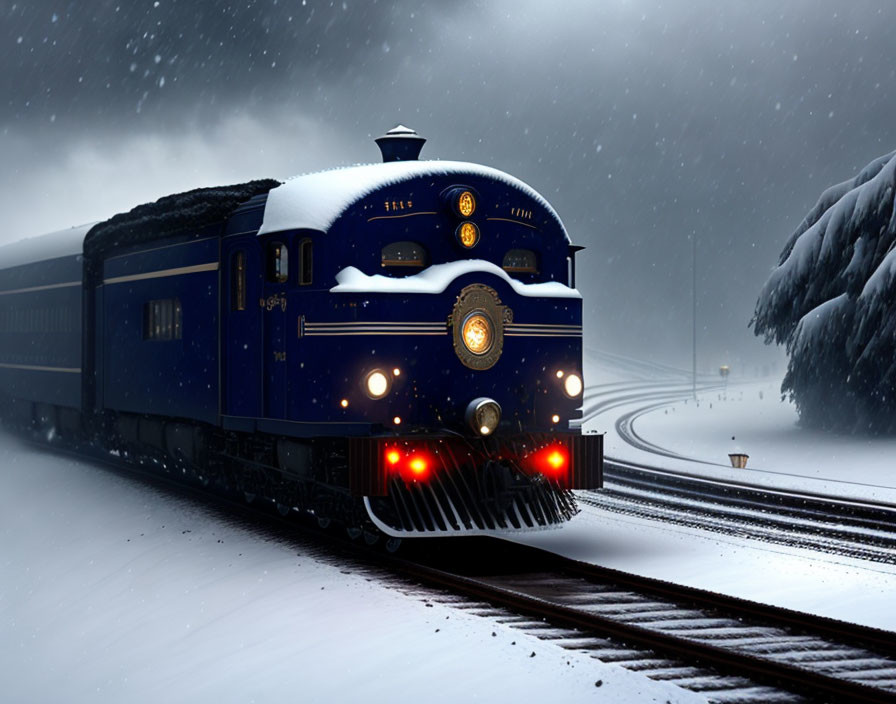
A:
857	529
862	530
728	649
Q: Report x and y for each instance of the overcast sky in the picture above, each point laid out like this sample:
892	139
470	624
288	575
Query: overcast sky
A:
644	123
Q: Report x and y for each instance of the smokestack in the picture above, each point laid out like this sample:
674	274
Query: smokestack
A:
400	144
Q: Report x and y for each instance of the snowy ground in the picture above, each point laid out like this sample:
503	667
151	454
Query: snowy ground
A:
746	416
781	455
752	418
847	589
112	591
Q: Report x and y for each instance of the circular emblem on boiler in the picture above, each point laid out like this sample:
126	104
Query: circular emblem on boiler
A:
477	323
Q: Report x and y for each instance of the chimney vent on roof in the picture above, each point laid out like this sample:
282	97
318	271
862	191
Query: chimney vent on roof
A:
400	144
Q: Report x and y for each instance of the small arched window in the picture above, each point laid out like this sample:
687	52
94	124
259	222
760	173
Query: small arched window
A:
404	254
278	262
520	261
305	263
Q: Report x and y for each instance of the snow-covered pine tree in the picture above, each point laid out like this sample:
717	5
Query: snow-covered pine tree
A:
832	301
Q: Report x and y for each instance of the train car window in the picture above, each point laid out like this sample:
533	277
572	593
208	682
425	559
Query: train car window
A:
163	319
278	262
404	254
238	281
521	261
305	263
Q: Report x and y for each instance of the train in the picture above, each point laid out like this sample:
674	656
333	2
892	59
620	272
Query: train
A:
393	347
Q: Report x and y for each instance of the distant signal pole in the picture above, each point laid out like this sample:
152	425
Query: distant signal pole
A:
694	306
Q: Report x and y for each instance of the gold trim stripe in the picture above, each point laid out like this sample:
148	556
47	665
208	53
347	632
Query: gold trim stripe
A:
373	332
383	323
211	266
542	325
542	334
157	249
515	222
40	288
34	368
406	215
372	328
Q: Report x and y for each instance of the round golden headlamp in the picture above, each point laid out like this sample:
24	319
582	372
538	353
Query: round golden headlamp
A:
466	204
467	234
478	333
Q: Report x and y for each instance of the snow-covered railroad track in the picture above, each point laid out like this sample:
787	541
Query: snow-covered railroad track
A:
843	527
728	649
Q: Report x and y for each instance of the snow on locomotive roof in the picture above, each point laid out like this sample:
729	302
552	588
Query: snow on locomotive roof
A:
315	201
62	243
438	277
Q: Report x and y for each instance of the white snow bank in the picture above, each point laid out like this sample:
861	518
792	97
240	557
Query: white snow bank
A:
61	243
111	591
437	278
315	201
749	417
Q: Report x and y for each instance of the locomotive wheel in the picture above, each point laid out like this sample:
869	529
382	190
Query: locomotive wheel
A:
353	532
370	537
392	545
249	496
323	522
283	509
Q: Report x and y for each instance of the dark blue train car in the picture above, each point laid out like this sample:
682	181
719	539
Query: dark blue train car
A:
395	346
40	327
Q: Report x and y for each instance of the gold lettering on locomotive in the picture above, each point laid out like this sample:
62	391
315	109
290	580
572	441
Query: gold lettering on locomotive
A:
271	302
392	206
522	213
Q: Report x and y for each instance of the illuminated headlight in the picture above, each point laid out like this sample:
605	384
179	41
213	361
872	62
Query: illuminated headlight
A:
483	415
572	385
376	384
467	234
466	203
478	333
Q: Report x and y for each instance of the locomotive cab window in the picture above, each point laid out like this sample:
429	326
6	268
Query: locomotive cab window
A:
521	261
163	319
404	254
238	281
278	262
305	263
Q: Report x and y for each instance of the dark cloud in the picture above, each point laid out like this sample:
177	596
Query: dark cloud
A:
645	123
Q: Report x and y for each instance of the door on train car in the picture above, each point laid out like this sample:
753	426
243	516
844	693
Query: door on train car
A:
276	254
242	329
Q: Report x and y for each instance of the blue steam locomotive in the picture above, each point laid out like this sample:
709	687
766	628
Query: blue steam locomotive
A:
395	346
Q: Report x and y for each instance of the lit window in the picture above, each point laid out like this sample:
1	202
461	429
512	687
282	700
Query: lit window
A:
162	320
278	262
404	254
520	260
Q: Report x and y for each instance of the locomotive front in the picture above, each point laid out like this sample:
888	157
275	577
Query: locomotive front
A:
449	350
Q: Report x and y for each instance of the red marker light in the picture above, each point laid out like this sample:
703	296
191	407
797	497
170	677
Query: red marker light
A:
414	467
552	461
556	460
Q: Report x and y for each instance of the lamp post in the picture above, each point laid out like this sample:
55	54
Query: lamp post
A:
694	307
